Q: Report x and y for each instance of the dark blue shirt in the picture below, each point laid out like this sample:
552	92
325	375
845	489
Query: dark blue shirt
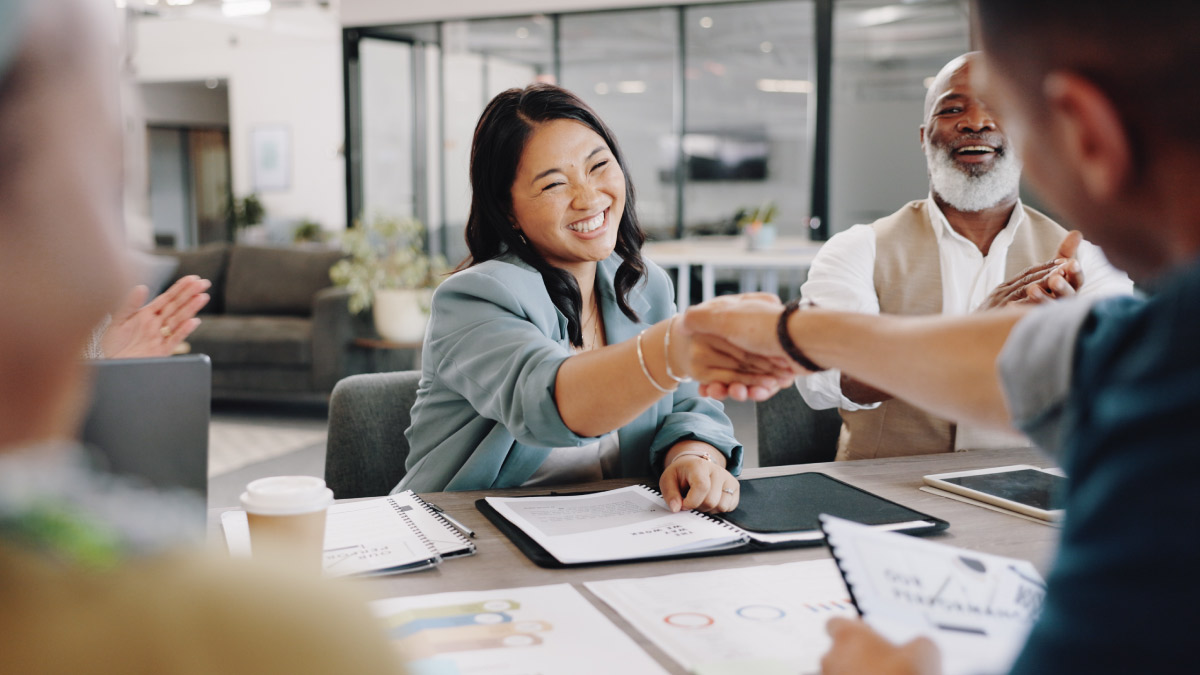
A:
1124	593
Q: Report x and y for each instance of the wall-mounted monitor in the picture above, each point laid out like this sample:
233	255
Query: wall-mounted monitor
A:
723	156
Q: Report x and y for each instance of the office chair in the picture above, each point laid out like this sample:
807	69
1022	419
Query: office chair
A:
790	432
366	449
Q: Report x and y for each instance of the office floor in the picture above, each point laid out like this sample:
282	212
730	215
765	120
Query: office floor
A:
254	440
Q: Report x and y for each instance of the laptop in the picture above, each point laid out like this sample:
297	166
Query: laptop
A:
149	419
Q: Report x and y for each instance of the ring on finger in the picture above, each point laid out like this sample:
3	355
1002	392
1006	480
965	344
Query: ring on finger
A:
166	332
728	492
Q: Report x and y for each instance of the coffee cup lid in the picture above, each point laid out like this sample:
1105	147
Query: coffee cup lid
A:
286	495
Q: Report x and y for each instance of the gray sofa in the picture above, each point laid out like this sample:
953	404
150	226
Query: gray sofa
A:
275	327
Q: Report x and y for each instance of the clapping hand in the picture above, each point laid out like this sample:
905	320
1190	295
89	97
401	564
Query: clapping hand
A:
1059	278
156	328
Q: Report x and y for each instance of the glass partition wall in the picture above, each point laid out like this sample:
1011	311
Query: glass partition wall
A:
883	55
715	107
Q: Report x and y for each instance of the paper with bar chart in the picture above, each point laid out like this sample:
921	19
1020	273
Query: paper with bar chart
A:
763	619
513	631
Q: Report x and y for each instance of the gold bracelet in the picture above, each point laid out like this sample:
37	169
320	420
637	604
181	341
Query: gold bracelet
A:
692	453
645	370
667	352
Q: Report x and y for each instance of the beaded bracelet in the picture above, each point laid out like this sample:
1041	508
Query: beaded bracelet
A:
785	338
645	370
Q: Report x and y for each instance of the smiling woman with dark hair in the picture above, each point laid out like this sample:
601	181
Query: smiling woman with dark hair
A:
552	356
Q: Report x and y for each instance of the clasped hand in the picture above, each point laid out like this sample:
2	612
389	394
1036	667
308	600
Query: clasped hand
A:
734	351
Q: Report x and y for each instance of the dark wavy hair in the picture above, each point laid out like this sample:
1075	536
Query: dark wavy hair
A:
500	137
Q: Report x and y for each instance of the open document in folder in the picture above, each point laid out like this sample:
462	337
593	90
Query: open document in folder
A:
634	523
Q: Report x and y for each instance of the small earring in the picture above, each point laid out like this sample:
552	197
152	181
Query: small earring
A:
521	235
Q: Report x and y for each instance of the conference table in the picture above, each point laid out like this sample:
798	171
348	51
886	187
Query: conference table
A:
759	269
499	564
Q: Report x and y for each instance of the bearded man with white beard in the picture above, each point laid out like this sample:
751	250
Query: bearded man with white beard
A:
971	245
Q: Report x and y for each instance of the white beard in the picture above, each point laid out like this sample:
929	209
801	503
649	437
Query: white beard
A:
967	192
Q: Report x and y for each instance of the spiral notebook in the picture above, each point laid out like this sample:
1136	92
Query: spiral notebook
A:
634	523
400	533
977	607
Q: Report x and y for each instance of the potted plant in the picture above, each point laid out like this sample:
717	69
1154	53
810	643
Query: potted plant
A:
308	231
759	225
245	213
388	270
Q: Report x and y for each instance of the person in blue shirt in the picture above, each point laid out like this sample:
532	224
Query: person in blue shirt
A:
552	354
1103	100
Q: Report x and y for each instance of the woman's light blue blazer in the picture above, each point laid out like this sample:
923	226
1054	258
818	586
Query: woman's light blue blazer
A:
485	415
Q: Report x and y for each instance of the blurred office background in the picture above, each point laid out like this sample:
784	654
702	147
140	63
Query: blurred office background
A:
329	111
715	104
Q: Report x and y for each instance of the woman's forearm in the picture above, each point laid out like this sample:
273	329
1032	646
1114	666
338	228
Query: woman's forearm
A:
605	389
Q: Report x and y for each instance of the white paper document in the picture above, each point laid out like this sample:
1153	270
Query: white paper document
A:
377	536
514	631
763	620
978	608
632	522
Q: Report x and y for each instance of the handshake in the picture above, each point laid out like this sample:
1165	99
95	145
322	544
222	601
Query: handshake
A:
744	347
737	347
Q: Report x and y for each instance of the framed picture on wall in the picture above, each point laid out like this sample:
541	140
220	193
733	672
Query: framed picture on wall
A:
270	157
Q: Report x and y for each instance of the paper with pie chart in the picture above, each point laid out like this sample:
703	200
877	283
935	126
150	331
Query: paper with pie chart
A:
763	619
514	631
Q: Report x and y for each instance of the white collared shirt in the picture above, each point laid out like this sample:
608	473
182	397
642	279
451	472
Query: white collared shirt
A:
843	277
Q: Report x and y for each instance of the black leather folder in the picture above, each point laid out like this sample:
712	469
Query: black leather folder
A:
778	505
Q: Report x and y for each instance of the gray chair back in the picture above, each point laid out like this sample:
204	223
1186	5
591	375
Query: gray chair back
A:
366	450
790	432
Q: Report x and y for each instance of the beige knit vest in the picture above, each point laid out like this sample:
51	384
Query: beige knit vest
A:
908	280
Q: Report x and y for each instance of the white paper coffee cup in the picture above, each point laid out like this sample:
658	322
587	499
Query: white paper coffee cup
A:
286	515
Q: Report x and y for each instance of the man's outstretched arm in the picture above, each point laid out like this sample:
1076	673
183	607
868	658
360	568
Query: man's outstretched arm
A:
946	365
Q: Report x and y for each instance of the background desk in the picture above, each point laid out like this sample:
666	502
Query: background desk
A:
759	269
498	564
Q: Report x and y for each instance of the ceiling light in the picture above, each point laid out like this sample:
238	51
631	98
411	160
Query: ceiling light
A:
522	32
706	22
766	47
880	16
212	83
179	3
785	86
234	8
601	88
631	87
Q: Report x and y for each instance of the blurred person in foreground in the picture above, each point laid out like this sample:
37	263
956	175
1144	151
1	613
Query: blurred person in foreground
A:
1102	97
92	575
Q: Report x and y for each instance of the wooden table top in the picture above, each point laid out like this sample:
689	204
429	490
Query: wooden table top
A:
499	564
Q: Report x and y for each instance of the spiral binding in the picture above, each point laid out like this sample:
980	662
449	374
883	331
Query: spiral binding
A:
707	516
440	518
429	545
